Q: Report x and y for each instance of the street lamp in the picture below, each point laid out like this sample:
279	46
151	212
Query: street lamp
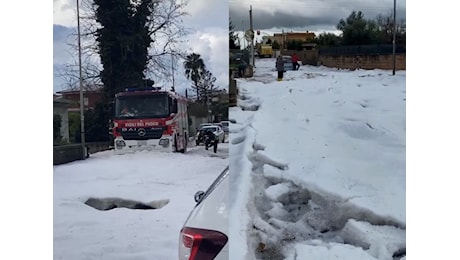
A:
82	108
394	36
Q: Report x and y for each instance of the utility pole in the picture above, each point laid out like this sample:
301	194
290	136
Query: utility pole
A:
283	37
172	70
394	37
252	40
210	102
244	42
82	105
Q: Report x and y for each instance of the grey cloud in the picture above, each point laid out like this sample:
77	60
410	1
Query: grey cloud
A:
205	13
64	5
61	33
61	37
324	17
264	20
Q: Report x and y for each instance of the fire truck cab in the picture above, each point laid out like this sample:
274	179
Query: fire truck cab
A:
150	119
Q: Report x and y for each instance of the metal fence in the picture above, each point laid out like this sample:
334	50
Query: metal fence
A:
377	49
73	152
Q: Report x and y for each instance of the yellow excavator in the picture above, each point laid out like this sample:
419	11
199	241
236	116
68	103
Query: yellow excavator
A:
265	50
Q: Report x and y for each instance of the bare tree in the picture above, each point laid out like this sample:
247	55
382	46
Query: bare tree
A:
167	31
386	27
91	69
207	86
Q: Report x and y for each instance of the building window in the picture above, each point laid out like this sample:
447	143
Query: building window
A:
85	101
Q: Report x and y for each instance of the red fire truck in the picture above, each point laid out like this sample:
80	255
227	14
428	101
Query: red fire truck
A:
150	119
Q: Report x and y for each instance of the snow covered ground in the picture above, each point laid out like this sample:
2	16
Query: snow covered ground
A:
166	181
317	168
317	165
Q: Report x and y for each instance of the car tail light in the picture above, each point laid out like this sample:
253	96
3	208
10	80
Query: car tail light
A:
200	244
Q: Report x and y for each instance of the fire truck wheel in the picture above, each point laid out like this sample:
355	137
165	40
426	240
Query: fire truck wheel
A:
185	145
175	144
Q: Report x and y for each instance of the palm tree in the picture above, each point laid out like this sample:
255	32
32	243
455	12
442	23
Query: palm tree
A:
194	70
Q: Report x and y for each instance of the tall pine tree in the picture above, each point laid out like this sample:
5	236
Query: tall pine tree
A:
356	30
123	40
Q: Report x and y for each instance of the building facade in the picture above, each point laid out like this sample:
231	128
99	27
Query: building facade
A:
61	107
283	38
90	98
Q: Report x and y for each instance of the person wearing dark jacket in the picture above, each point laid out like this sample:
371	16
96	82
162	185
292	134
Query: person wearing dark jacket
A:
210	140
241	68
280	67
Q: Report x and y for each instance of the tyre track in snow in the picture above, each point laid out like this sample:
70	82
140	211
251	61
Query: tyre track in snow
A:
286	214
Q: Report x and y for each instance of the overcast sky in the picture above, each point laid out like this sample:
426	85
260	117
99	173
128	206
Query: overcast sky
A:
312	15
208	21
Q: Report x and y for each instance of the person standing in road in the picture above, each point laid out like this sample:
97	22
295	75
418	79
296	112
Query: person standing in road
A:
241	68
210	140
295	61
280	67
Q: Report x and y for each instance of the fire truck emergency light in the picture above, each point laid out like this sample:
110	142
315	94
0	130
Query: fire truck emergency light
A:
141	89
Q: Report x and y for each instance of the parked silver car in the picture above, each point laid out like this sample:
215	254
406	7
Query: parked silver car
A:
217	130
219	124
287	60
287	63
225	125
203	125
